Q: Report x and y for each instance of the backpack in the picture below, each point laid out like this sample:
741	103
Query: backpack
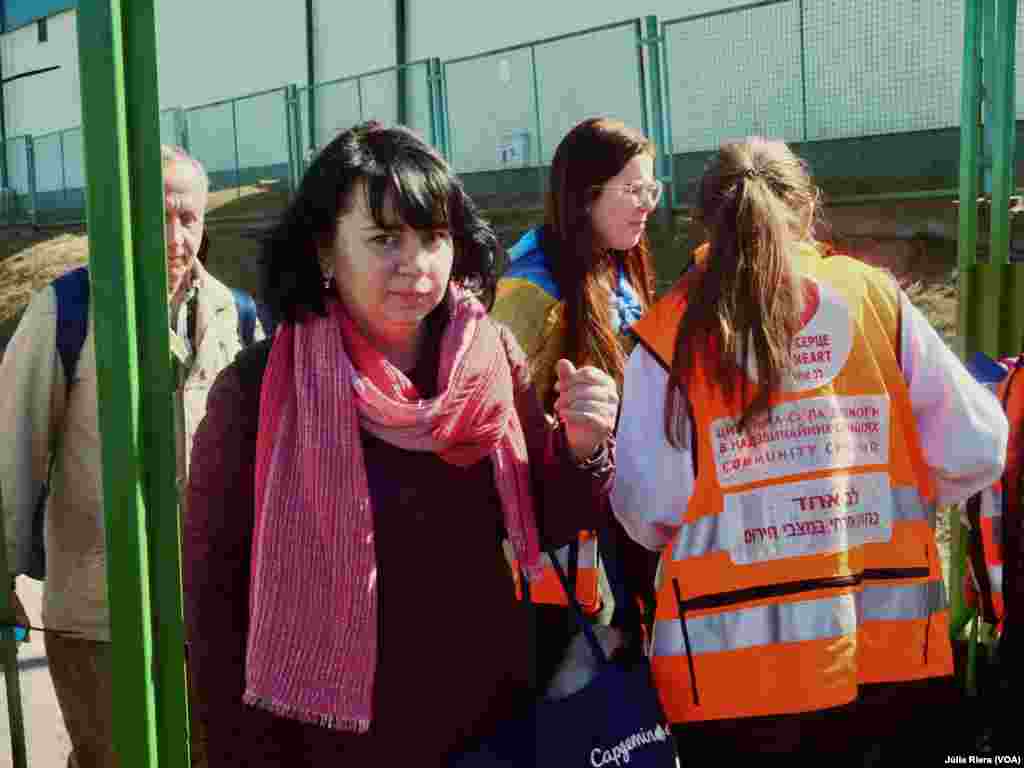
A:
72	292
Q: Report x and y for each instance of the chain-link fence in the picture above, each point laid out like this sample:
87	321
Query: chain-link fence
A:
242	142
402	94
46	174
508	109
868	92
16	199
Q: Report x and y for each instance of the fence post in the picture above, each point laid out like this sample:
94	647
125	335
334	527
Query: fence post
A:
9	651
967	253
289	131
296	137
446	123
33	202
652	42
63	169
186	133
440	106
238	164
104	51
180	128
803	65
433	86
536	122
1002	89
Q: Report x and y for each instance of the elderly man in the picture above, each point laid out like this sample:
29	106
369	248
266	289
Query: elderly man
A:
50	437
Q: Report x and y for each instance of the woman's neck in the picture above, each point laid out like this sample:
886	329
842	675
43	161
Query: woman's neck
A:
403	353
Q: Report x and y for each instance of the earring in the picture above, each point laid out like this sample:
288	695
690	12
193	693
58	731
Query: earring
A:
328	276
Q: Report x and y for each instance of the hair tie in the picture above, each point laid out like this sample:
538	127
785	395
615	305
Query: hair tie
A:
750	173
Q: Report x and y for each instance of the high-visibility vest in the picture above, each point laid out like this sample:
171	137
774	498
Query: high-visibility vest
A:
805	562
547	589
987	512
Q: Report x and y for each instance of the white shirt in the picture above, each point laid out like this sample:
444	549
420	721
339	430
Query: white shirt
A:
962	427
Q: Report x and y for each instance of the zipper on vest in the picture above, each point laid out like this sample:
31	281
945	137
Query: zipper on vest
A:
882	574
725	599
686	640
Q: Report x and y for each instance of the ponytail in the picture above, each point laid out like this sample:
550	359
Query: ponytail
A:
746	302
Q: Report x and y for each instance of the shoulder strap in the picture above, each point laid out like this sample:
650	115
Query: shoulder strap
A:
246	315
577	610
72	291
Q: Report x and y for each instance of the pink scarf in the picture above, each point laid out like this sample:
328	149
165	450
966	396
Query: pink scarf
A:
312	645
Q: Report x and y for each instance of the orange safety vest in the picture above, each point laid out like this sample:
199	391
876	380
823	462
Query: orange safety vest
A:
548	589
988	510
805	562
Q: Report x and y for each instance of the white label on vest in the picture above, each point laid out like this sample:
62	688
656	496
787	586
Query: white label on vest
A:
807	517
820	348
803	436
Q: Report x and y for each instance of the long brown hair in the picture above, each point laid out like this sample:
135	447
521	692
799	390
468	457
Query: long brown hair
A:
591	154
756	200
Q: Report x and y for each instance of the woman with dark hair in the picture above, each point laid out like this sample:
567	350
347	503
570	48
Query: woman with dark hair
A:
789	423
348	596
573	288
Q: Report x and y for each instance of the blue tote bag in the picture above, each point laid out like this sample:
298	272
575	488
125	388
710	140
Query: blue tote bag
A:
614	721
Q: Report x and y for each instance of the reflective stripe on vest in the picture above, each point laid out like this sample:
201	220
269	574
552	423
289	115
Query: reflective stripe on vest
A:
796	622
805	563
547	590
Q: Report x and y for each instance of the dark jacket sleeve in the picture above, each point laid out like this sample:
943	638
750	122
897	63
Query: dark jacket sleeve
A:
568	497
216	545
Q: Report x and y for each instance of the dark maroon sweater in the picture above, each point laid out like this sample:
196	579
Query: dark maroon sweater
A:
453	642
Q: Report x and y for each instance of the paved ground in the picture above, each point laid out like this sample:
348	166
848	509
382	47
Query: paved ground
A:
47	741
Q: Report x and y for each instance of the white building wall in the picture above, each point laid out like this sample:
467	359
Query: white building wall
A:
42	103
216	50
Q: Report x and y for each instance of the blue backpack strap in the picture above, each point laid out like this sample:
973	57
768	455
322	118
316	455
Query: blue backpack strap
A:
246	316
72	291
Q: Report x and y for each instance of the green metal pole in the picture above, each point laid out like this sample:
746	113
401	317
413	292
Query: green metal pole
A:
988	57
159	470
1003	126
803	67
9	652
112	280
967	250
970	94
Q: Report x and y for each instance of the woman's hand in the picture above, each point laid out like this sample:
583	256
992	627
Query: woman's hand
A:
588	402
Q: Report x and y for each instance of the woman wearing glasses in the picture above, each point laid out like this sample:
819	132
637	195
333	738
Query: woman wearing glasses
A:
573	288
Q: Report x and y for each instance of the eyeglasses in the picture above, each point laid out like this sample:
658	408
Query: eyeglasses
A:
640	191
